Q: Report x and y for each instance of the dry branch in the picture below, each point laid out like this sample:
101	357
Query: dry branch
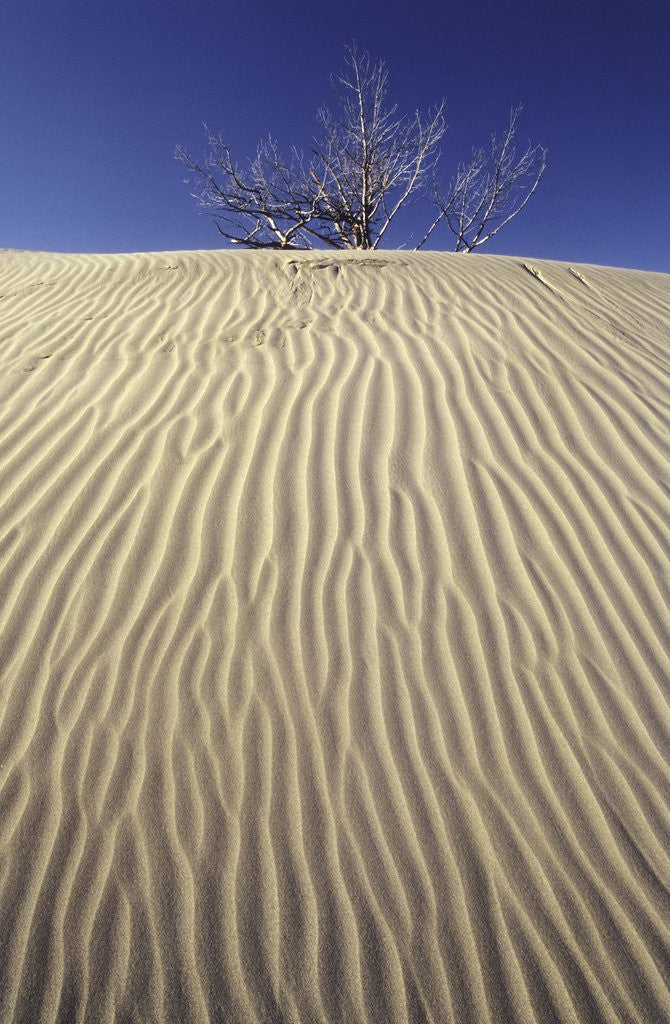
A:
490	190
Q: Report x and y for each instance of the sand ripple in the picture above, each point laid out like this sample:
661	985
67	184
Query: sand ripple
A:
335	640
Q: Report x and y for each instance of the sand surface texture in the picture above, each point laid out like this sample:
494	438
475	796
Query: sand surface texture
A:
335	640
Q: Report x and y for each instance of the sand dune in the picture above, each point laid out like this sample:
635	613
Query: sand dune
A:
335	640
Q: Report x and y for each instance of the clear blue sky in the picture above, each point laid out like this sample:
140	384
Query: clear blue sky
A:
95	95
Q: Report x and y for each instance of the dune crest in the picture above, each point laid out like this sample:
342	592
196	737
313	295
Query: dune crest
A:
334	639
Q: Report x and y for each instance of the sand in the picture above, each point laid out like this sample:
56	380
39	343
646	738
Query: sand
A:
335	676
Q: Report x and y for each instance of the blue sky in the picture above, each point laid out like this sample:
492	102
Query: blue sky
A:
95	96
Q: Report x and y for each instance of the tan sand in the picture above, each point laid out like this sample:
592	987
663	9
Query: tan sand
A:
335	640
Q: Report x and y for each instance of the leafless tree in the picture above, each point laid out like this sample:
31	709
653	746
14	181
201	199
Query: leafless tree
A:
489	191
365	165
368	162
268	205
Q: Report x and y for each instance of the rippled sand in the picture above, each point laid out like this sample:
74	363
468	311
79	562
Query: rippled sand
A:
335	677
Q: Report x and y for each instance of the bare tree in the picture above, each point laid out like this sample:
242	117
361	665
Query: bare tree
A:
269	205
368	162
365	165
489	191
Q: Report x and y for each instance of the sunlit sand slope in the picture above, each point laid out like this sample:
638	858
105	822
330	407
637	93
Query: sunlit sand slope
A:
335	640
